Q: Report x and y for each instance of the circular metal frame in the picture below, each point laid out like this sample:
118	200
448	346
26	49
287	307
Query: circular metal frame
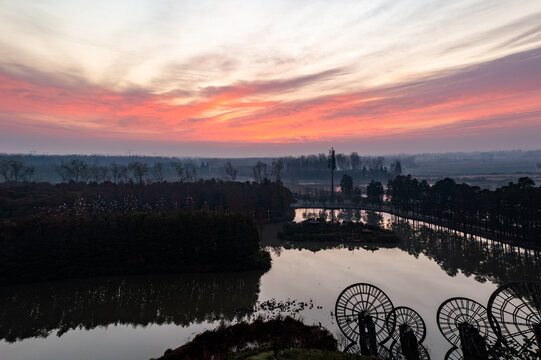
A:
458	310
454	353
361	297
396	351
405	315
515	309
355	349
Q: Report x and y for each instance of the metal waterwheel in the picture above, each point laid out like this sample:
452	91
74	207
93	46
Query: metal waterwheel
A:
515	309
403	315
458	311
396	351
364	298
454	353
355	349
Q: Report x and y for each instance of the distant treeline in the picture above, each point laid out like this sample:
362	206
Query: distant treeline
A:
265	200
511	212
139	169
315	167
40	248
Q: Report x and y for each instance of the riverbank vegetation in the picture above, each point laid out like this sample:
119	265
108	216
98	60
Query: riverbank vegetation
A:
37	248
334	231
248	340
511	212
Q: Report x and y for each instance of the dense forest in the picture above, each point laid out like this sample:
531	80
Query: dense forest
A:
265	200
37	248
511	212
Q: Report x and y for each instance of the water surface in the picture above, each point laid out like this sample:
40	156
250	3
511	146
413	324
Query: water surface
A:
140	317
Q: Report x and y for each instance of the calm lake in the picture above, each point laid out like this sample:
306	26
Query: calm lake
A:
140	317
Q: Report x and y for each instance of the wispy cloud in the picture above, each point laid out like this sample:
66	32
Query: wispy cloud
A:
269	72
502	92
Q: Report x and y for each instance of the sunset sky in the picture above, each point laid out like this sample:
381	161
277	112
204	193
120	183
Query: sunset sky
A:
247	78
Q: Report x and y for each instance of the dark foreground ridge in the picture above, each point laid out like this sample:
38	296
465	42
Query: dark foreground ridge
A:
233	342
38	248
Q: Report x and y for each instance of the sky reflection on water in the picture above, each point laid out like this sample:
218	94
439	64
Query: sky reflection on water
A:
140	317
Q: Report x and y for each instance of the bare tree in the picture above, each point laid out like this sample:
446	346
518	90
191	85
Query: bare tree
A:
16	170
190	172
157	172
342	161
28	173
277	166
62	171
77	169
119	173
230	170
396	168
73	170
138	170
355	160
260	171
179	168
4	170
98	173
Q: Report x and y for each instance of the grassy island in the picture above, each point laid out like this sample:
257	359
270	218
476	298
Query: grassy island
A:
38	248
302	354
320	230
286	338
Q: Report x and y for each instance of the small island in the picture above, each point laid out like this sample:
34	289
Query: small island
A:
321	230
286	338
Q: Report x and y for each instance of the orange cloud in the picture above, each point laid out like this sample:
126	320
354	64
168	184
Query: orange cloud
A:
502	93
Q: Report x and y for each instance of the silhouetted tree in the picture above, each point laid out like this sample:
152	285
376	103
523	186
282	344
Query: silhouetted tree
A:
374	192
119	173
355	160
510	212
277	166
260	171
396	168
342	161
230	170
179	168
346	185
157	172
98	173
190	172
73	170
16	170
138	170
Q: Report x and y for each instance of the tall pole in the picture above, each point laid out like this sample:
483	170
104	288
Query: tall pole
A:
332	166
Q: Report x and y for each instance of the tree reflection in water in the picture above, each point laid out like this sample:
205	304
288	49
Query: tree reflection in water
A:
454	252
37	310
483	259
